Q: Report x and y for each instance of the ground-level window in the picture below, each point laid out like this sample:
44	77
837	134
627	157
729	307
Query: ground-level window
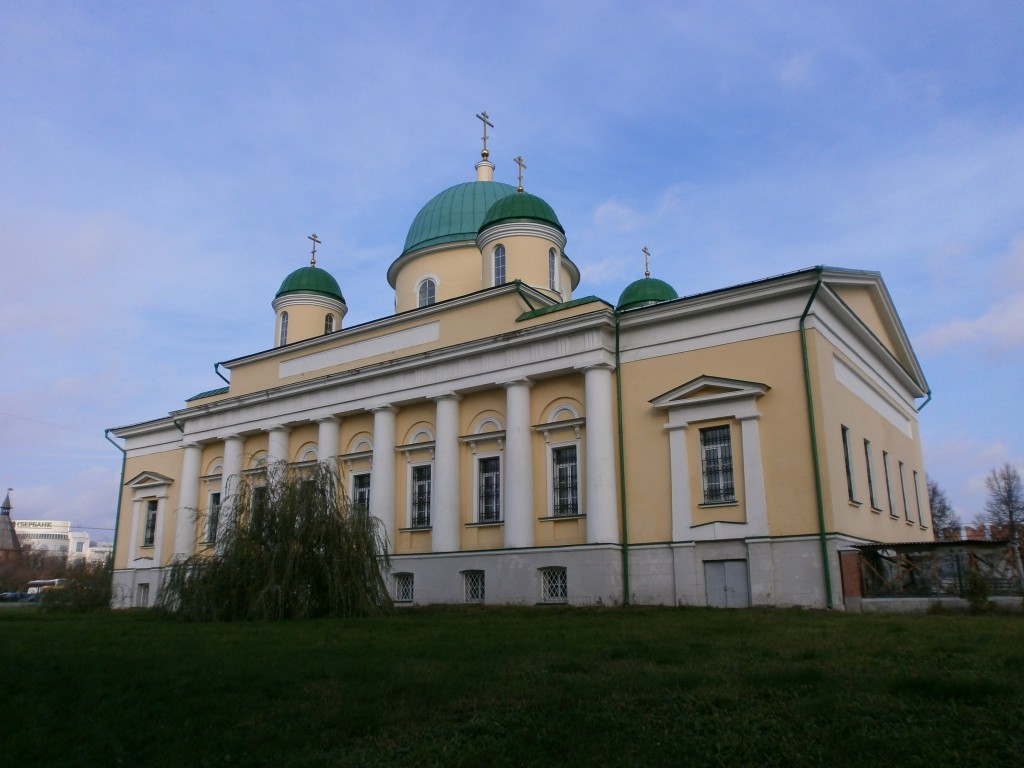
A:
871	475
716	465
403	587
361	491
850	492
489	488
565	481
473	584
149	534
554	585
427	293
213	518
142	596
419	501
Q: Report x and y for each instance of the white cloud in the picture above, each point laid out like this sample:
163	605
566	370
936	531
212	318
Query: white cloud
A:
616	216
1001	329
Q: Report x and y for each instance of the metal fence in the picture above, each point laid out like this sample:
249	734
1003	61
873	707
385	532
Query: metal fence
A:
939	569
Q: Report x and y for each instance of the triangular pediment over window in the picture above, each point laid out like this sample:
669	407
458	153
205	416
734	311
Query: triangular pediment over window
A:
709	389
148	480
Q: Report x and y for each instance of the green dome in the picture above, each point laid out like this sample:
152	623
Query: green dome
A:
521	205
454	214
311	280
648	290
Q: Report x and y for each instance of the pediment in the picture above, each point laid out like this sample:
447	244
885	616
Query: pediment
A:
148	480
709	389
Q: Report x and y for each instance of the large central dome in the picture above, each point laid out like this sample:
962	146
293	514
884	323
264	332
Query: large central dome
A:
455	214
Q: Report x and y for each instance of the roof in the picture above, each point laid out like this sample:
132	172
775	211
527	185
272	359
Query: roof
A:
519	206
208	393
648	290
311	280
454	214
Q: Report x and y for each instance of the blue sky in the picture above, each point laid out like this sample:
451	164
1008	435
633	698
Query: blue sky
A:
162	163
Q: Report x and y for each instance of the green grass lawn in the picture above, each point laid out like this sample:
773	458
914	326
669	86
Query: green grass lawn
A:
514	687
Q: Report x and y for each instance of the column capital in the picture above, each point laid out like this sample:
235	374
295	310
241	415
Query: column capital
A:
599	366
383	408
191	445
328	420
523	382
279	428
448	396
232	436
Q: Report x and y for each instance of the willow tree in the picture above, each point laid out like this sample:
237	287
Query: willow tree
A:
290	548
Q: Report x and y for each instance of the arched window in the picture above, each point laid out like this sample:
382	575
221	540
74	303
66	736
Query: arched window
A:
284	329
499	265
329	323
552	264
427	293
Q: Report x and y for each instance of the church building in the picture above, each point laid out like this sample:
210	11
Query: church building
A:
523	445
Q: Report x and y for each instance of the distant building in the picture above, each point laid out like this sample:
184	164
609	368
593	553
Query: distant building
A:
56	538
10	547
522	445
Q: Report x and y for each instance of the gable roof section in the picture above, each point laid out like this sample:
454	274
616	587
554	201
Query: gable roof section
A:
708	389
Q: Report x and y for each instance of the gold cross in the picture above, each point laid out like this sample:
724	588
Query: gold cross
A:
316	242
518	160
483	117
647	261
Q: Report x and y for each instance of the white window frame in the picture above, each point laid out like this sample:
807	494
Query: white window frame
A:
150	522
552	269
554	585
709	452
213	506
353	492
283	332
329	323
428	283
474	586
478	511
405	587
413	466
552	447
498	264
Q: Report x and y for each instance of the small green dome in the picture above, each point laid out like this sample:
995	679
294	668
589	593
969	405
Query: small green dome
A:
311	280
454	214
648	290
521	205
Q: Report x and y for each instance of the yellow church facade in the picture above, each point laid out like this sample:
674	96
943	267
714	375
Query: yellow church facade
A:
522	445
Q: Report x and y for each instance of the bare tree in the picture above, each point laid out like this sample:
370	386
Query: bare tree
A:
943	515
1005	505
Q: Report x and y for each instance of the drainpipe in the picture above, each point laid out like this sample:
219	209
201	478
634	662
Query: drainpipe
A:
826	570
216	369
622	469
921	407
120	488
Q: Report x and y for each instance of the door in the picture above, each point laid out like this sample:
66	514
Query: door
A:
726	583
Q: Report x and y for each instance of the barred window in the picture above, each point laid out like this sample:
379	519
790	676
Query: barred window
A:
361	491
716	465
489	480
149	536
213	518
404	583
420	501
565	482
554	585
473	582
142	596
499	265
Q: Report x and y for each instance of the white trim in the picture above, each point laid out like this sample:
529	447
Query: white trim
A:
850	379
477	458
397	341
520	229
410	466
580	501
419	284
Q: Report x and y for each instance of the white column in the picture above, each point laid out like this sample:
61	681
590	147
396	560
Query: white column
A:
602	527
328	436
519	514
753	477
230	479
382	472
444	512
682	509
277	445
188	502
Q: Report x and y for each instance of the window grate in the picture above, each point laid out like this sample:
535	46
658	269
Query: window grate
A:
361	492
716	465
554	585
565	485
473	582
404	583
149	536
420	501
489	510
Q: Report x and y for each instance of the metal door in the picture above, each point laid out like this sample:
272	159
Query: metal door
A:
726	583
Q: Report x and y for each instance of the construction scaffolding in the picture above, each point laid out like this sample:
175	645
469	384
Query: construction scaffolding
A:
940	569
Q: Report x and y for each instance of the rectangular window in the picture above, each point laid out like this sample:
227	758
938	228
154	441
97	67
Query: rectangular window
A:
213	518
871	479
149	536
420	498
565	482
849	465
473	581
142	596
361	492
917	498
403	587
554	586
903	492
80	546
716	465
552	266
489	487
888	482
